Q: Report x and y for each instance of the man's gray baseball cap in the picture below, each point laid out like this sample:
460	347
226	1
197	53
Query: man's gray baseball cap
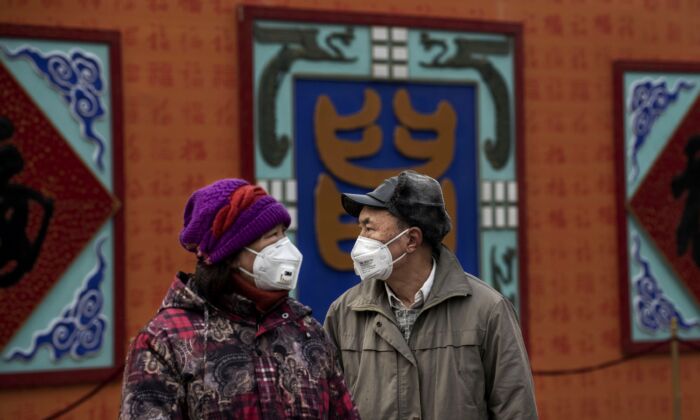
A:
415	198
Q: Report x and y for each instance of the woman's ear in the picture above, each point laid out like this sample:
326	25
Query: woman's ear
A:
235	261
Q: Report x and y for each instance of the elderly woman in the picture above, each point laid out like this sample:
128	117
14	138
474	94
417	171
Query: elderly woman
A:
228	341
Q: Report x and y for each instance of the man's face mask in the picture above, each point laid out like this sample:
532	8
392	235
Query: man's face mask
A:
372	258
276	267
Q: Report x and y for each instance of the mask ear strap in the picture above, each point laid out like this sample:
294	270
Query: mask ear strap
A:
243	269
402	255
397	236
247	272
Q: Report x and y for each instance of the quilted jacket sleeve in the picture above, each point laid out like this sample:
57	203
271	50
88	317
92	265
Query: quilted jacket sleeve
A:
151	388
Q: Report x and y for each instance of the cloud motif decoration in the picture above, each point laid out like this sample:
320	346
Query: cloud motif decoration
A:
649	99
77	76
79	332
654	311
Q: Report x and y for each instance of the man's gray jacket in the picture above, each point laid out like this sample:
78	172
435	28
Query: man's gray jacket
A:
465	358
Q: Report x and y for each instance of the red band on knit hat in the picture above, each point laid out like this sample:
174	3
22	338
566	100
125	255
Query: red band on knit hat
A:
240	200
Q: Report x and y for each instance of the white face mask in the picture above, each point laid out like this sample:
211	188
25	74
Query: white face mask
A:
372	258
276	267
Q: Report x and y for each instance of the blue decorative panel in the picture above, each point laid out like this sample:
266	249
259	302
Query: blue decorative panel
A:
337	103
314	178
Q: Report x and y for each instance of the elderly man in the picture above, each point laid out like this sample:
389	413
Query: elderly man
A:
418	337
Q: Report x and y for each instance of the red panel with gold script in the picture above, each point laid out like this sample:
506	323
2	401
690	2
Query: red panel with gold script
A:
661	212
53	173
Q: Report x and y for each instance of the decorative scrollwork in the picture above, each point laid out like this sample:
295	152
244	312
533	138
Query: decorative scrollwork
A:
78	78
297	44
466	56
654	310
503	277
649	99
80	330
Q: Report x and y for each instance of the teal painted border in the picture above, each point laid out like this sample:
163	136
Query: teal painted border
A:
504	65
501	239
262	53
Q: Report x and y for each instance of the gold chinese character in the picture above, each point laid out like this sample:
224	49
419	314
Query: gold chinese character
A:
336	154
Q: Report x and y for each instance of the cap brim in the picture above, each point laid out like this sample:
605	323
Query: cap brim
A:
353	203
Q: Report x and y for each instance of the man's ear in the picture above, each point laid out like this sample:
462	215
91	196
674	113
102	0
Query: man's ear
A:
415	239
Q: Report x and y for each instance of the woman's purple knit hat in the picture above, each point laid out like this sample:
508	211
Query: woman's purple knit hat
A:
224	217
